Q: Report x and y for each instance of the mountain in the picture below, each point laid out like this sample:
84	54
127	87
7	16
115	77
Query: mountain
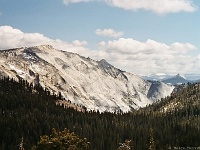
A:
192	78
178	79
97	85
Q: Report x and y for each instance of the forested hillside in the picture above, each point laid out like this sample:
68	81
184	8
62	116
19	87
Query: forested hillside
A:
30	113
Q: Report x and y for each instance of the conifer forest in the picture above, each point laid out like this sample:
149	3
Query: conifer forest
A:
30	113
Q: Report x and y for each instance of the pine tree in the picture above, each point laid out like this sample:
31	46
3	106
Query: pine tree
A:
64	140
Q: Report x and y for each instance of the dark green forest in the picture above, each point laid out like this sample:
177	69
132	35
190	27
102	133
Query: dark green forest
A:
172	123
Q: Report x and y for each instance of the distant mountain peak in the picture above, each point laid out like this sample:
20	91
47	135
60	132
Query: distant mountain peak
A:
180	76
192	78
177	79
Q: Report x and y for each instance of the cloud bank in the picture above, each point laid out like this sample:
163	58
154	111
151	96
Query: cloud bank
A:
109	33
151	56
125	53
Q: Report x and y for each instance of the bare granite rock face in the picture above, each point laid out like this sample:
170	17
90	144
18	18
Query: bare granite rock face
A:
96	85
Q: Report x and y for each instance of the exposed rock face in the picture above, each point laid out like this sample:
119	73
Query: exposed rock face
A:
158	90
97	85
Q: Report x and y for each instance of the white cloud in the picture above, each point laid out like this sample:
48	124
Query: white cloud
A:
150	56
109	33
75	1
127	54
79	43
10	38
13	38
157	6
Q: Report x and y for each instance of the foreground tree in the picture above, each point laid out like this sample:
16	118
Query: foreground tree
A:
64	140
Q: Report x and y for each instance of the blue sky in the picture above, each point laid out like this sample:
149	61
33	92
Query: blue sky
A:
140	36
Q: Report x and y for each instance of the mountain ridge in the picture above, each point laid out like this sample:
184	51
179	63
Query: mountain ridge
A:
97	85
177	79
192	78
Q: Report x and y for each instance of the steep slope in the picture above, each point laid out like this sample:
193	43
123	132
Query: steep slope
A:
97	85
158	90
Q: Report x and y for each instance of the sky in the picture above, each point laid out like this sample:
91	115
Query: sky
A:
140	36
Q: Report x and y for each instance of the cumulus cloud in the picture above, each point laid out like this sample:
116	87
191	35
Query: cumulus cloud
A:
157	6
13	38
79	43
109	33
10	37
125	53
150	56
75	1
